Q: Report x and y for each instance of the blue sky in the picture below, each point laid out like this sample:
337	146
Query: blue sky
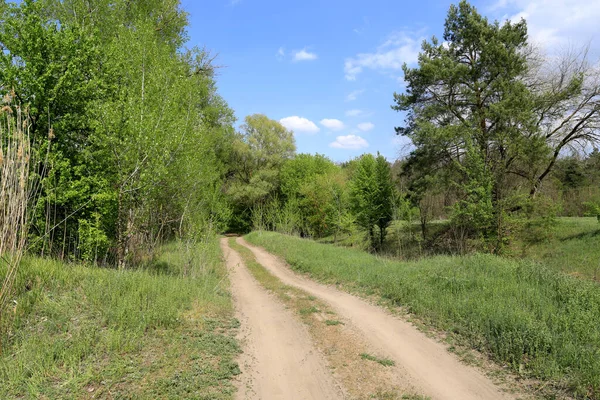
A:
328	69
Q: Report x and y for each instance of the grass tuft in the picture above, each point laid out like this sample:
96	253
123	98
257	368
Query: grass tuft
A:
383	361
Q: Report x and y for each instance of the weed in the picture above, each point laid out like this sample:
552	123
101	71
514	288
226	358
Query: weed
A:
309	310
332	322
383	361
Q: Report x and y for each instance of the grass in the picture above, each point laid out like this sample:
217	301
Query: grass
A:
383	361
539	323
81	331
573	249
573	246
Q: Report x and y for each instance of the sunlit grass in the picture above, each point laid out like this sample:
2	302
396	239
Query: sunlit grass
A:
81	330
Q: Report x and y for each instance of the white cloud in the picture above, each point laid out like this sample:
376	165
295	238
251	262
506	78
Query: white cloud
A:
303	55
281	53
354	113
333	124
354	95
352	142
299	124
555	24
399	48
365	126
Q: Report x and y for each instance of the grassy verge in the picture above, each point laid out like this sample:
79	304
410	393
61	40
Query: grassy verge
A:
539	323
83	332
573	249
344	353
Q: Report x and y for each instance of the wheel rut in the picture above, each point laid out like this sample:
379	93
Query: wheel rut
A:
279	359
431	369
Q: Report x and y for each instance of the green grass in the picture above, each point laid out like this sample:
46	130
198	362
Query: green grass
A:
574	248
81	331
539	323
383	361
333	322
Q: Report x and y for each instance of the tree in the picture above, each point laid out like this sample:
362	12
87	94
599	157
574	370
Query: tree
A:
468	107
139	135
259	151
484	99
302	169
567	107
371	196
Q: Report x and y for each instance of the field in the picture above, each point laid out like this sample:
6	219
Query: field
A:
525	315
81	331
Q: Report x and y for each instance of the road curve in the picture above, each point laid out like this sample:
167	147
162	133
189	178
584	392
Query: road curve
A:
432	369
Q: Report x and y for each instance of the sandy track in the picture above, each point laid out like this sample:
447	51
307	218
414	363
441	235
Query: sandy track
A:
279	360
432	370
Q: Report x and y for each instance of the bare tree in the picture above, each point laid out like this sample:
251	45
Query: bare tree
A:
567	95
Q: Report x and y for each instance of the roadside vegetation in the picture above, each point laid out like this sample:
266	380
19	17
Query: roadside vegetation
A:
81	331
537	322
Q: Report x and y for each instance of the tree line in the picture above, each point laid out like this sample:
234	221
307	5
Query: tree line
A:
127	120
504	138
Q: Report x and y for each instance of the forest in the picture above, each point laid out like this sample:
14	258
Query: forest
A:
119	155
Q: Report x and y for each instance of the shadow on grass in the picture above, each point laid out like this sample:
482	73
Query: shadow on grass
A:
581	235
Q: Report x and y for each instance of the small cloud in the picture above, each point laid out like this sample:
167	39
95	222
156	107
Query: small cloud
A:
354	113
332	124
554	24
399	48
234	2
365	126
304	55
281	53
354	95
299	124
351	142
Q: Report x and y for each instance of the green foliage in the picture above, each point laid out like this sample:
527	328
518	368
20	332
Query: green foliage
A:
371	196
470	116
474	213
301	169
593	209
258	153
538	322
139	137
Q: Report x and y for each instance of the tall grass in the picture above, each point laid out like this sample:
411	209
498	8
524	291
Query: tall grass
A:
138	334
15	157
541	323
574	249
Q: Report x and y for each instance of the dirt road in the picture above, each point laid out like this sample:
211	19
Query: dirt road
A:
279	360
432	369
